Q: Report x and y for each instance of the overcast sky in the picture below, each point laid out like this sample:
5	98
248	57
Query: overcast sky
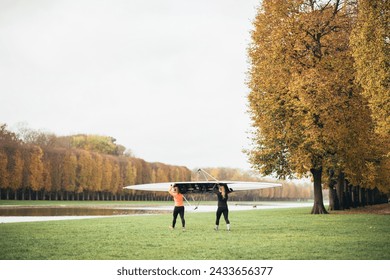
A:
166	78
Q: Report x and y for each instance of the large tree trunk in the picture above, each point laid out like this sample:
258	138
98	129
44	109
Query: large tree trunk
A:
368	196
355	196
376	195
348	195
362	197
318	207
333	199
340	190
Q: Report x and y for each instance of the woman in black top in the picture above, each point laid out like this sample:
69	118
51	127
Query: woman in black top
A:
222	194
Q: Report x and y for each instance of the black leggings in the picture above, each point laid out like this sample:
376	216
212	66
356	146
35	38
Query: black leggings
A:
176	211
225	212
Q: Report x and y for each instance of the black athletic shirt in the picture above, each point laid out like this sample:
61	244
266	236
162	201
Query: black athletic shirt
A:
222	202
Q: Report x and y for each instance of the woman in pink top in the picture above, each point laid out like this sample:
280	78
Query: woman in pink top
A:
179	206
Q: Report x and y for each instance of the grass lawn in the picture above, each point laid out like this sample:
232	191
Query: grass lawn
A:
283	234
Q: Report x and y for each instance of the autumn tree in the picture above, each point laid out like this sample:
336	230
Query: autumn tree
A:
106	174
96	143
97	174
15	167
370	43
303	98
116	180
37	137
46	177
55	158
130	173
160	173
146	173
7	137
68	178
11	163
33	169
83	171
3	170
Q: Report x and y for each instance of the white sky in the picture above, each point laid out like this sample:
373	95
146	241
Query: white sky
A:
166	78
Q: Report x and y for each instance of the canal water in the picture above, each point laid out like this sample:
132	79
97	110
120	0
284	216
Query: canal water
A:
74	211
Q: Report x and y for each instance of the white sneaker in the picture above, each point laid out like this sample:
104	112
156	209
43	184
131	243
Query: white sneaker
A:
216	228
228	227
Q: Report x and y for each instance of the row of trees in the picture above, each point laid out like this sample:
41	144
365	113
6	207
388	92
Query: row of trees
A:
39	165
319	96
52	171
352	196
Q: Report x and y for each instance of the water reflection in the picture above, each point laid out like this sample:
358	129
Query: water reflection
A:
74	211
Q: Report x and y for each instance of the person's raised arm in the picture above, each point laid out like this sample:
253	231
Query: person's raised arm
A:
170	189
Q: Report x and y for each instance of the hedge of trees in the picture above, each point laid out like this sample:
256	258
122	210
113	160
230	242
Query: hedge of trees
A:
56	171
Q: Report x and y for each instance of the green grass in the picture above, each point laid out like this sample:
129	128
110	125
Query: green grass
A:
284	234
